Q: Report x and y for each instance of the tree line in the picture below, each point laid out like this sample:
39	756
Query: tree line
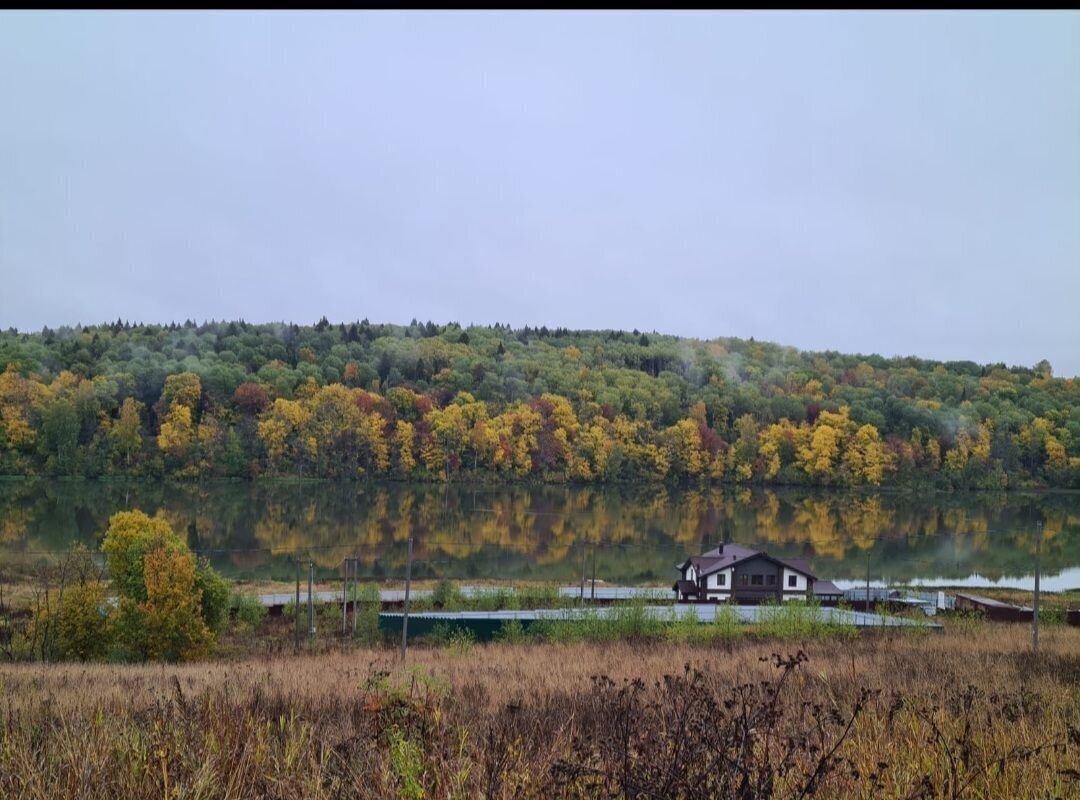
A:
443	402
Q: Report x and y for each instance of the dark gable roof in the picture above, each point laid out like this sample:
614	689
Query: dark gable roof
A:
827	588
729	555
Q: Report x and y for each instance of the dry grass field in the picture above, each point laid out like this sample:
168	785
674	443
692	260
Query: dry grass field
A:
966	713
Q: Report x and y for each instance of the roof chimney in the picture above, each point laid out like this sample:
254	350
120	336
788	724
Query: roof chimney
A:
720	549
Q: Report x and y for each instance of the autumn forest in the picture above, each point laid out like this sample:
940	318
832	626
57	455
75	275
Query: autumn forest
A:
446	403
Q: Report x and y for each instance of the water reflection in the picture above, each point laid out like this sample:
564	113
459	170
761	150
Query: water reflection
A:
638	533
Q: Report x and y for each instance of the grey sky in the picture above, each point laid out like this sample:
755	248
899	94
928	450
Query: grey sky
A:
901	183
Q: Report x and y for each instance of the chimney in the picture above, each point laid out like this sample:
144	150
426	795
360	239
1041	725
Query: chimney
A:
720	549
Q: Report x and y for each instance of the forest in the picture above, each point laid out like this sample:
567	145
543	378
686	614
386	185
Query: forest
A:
490	403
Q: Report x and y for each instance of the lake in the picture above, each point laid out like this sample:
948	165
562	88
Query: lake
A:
635	534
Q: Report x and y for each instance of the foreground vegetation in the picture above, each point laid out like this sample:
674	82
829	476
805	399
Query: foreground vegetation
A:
955	715
437	402
154	601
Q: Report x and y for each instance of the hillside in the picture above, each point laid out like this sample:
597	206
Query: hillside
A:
425	401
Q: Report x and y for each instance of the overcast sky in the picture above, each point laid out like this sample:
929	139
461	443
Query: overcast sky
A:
899	183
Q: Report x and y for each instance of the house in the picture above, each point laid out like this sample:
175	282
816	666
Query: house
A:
747	576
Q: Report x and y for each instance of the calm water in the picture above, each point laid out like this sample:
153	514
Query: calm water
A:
638	534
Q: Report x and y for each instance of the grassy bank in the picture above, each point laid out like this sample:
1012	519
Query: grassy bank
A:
960	714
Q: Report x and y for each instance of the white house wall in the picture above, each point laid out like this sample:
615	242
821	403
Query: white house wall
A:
714	590
796	591
713	581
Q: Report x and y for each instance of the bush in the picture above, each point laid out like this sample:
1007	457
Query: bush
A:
969	621
794	619
511	632
461	642
249	611
1051	616
215	592
366	623
406	758
685	626
83	625
447	596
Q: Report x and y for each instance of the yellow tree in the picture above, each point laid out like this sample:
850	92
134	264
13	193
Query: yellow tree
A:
956	459
527	423
209	434
684	448
776	445
442	449
480	439
820	455
281	430
126	432
130	536
332	428
404	444
866	459
183	388
592	453
374	442
19	397
177	435
744	454
168	603
172	628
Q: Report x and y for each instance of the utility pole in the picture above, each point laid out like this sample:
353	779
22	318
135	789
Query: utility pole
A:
581	597
866	608
1035	610
405	616
355	590
311	601
296	563
592	594
344	595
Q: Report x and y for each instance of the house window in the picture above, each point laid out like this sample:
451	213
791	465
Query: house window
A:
744	580
757	580
771	580
721	579
791	580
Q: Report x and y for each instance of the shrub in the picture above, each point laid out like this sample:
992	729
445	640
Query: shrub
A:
461	642
406	758
793	619
969	621
249	611
447	596
214	591
511	632
366	624
83	628
1051	616
686	627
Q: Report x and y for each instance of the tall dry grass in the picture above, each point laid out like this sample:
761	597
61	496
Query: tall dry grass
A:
964	714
